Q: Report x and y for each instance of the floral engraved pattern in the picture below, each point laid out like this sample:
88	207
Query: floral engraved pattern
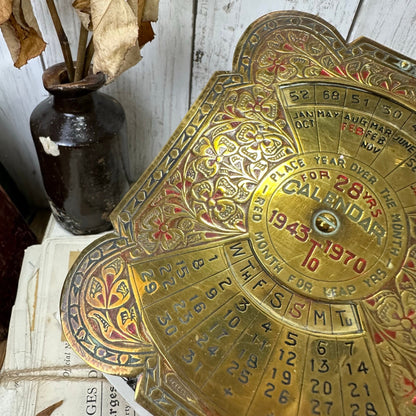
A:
112	312
392	315
164	227
291	54
211	156
206	196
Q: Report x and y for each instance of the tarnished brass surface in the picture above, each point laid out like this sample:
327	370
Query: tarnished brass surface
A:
265	263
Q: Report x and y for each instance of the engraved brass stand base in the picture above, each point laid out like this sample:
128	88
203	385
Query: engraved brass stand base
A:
265	264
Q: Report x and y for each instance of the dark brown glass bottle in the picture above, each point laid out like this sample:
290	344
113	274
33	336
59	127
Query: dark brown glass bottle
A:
79	135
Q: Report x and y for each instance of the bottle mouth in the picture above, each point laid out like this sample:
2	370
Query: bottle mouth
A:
55	80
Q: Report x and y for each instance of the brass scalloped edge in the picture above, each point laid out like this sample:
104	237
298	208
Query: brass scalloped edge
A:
361	47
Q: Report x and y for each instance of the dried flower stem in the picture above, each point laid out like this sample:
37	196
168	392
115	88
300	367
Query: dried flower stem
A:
82	46
63	40
88	56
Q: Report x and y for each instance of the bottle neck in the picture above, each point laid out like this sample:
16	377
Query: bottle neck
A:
74	104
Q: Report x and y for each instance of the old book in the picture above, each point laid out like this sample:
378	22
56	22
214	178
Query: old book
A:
40	367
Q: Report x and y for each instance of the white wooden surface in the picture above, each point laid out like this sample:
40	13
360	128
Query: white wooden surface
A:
194	38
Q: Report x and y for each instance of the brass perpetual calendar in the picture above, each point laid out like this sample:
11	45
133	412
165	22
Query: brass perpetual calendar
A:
265	263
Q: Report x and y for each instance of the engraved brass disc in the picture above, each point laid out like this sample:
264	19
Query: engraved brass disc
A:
265	263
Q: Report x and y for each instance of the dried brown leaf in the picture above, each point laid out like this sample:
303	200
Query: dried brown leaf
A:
151	11
146	33
83	9
137	6
115	37
22	34
83	6
23	11
49	410
5	10
140	10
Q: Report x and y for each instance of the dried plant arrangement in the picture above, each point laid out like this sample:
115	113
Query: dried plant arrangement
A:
112	32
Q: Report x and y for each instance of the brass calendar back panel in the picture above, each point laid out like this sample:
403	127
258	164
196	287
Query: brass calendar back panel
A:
265	263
